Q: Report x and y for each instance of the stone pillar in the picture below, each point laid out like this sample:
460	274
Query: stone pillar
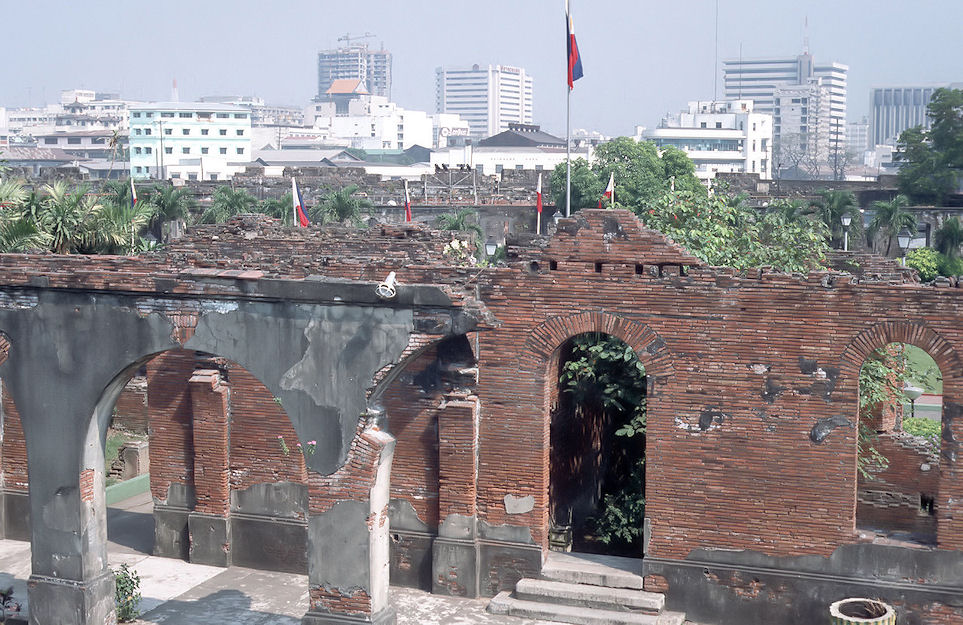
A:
455	551
209	523
949	504
348	536
171	450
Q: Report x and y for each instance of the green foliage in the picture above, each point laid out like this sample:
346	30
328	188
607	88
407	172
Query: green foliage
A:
280	208
929	429
462	220
127	594
227	203
950	266
949	237
890	218
881	381
586	186
721	230
622	513
69	218
925	261
170	203
342	207
830	208
931	160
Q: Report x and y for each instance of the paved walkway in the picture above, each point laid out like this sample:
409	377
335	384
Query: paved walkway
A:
176	592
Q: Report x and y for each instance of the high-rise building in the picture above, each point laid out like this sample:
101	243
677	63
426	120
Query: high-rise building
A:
758	80
488	97
355	62
895	109
723	136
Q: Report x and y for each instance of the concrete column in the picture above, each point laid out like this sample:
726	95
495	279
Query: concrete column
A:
348	536
949	503
209	523
454	559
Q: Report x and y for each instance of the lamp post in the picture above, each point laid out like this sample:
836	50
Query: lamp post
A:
490	247
847	219
913	393
903	240
556	217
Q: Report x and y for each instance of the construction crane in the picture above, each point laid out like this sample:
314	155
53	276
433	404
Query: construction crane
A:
348	37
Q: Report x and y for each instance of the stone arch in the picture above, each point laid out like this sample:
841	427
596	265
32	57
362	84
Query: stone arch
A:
942	351
540	357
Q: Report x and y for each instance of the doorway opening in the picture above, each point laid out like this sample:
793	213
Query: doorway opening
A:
597	457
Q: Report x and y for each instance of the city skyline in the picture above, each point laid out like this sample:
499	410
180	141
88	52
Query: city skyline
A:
642	59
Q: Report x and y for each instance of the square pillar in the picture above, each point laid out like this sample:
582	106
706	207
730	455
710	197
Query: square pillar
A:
209	523
348	536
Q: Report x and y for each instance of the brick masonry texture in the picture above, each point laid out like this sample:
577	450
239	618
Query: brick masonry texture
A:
752	399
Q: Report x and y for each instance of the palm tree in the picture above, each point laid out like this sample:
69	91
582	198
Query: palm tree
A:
227	203
831	206
949	238
169	204
341	207
113	144
68	217
280	208
20	235
118	225
460	221
890	218
788	211
11	195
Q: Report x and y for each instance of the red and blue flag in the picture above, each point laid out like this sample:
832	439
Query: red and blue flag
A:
574	58
300	214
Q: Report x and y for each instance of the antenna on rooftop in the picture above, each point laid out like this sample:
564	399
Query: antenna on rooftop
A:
348	37
715	60
174	96
806	36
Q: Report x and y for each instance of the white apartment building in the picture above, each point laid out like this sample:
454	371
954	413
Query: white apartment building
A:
352	118
521	147
488	97
357	62
189	140
721	136
758	80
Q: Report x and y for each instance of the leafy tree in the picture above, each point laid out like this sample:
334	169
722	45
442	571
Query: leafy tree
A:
830	208
342	207
949	237
170	204
118	226
69	218
586	186
890	218
227	203
932	160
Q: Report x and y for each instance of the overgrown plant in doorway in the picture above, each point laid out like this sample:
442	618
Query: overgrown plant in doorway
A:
127	594
604	373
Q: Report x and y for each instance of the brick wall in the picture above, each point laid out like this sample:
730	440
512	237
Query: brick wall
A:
13	451
171	422
130	411
210	413
256	422
891	501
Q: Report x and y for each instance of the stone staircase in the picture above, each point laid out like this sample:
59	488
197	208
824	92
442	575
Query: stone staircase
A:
587	590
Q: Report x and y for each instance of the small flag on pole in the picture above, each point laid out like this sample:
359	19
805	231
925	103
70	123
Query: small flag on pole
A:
538	201
407	203
300	215
574	58
609	191
133	194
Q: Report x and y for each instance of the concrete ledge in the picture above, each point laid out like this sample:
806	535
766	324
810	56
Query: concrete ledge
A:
127	489
384	617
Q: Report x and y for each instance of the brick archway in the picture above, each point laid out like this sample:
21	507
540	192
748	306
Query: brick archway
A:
540	358
950	497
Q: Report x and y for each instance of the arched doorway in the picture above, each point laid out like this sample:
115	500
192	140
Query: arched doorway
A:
597	447
900	425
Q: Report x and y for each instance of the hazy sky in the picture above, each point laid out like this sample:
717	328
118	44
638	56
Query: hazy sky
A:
642	58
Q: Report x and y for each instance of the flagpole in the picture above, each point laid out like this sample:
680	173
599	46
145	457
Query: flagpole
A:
568	130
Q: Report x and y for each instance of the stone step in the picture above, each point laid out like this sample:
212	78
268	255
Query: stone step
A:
505	603
595	570
616	599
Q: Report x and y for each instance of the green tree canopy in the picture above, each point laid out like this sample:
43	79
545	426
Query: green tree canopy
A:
890	218
227	203
932	160
342	207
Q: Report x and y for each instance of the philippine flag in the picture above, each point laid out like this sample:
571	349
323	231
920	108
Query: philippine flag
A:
609	190
574	58
133	194
407	203
538	194
300	215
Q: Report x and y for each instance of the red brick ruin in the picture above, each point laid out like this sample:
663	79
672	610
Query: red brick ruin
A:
752	492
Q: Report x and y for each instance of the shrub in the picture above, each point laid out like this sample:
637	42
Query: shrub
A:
127	594
925	260
948	266
925	428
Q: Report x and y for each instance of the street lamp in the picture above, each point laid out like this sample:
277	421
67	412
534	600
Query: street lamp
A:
490	247
903	240
913	393
556	217
847	219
